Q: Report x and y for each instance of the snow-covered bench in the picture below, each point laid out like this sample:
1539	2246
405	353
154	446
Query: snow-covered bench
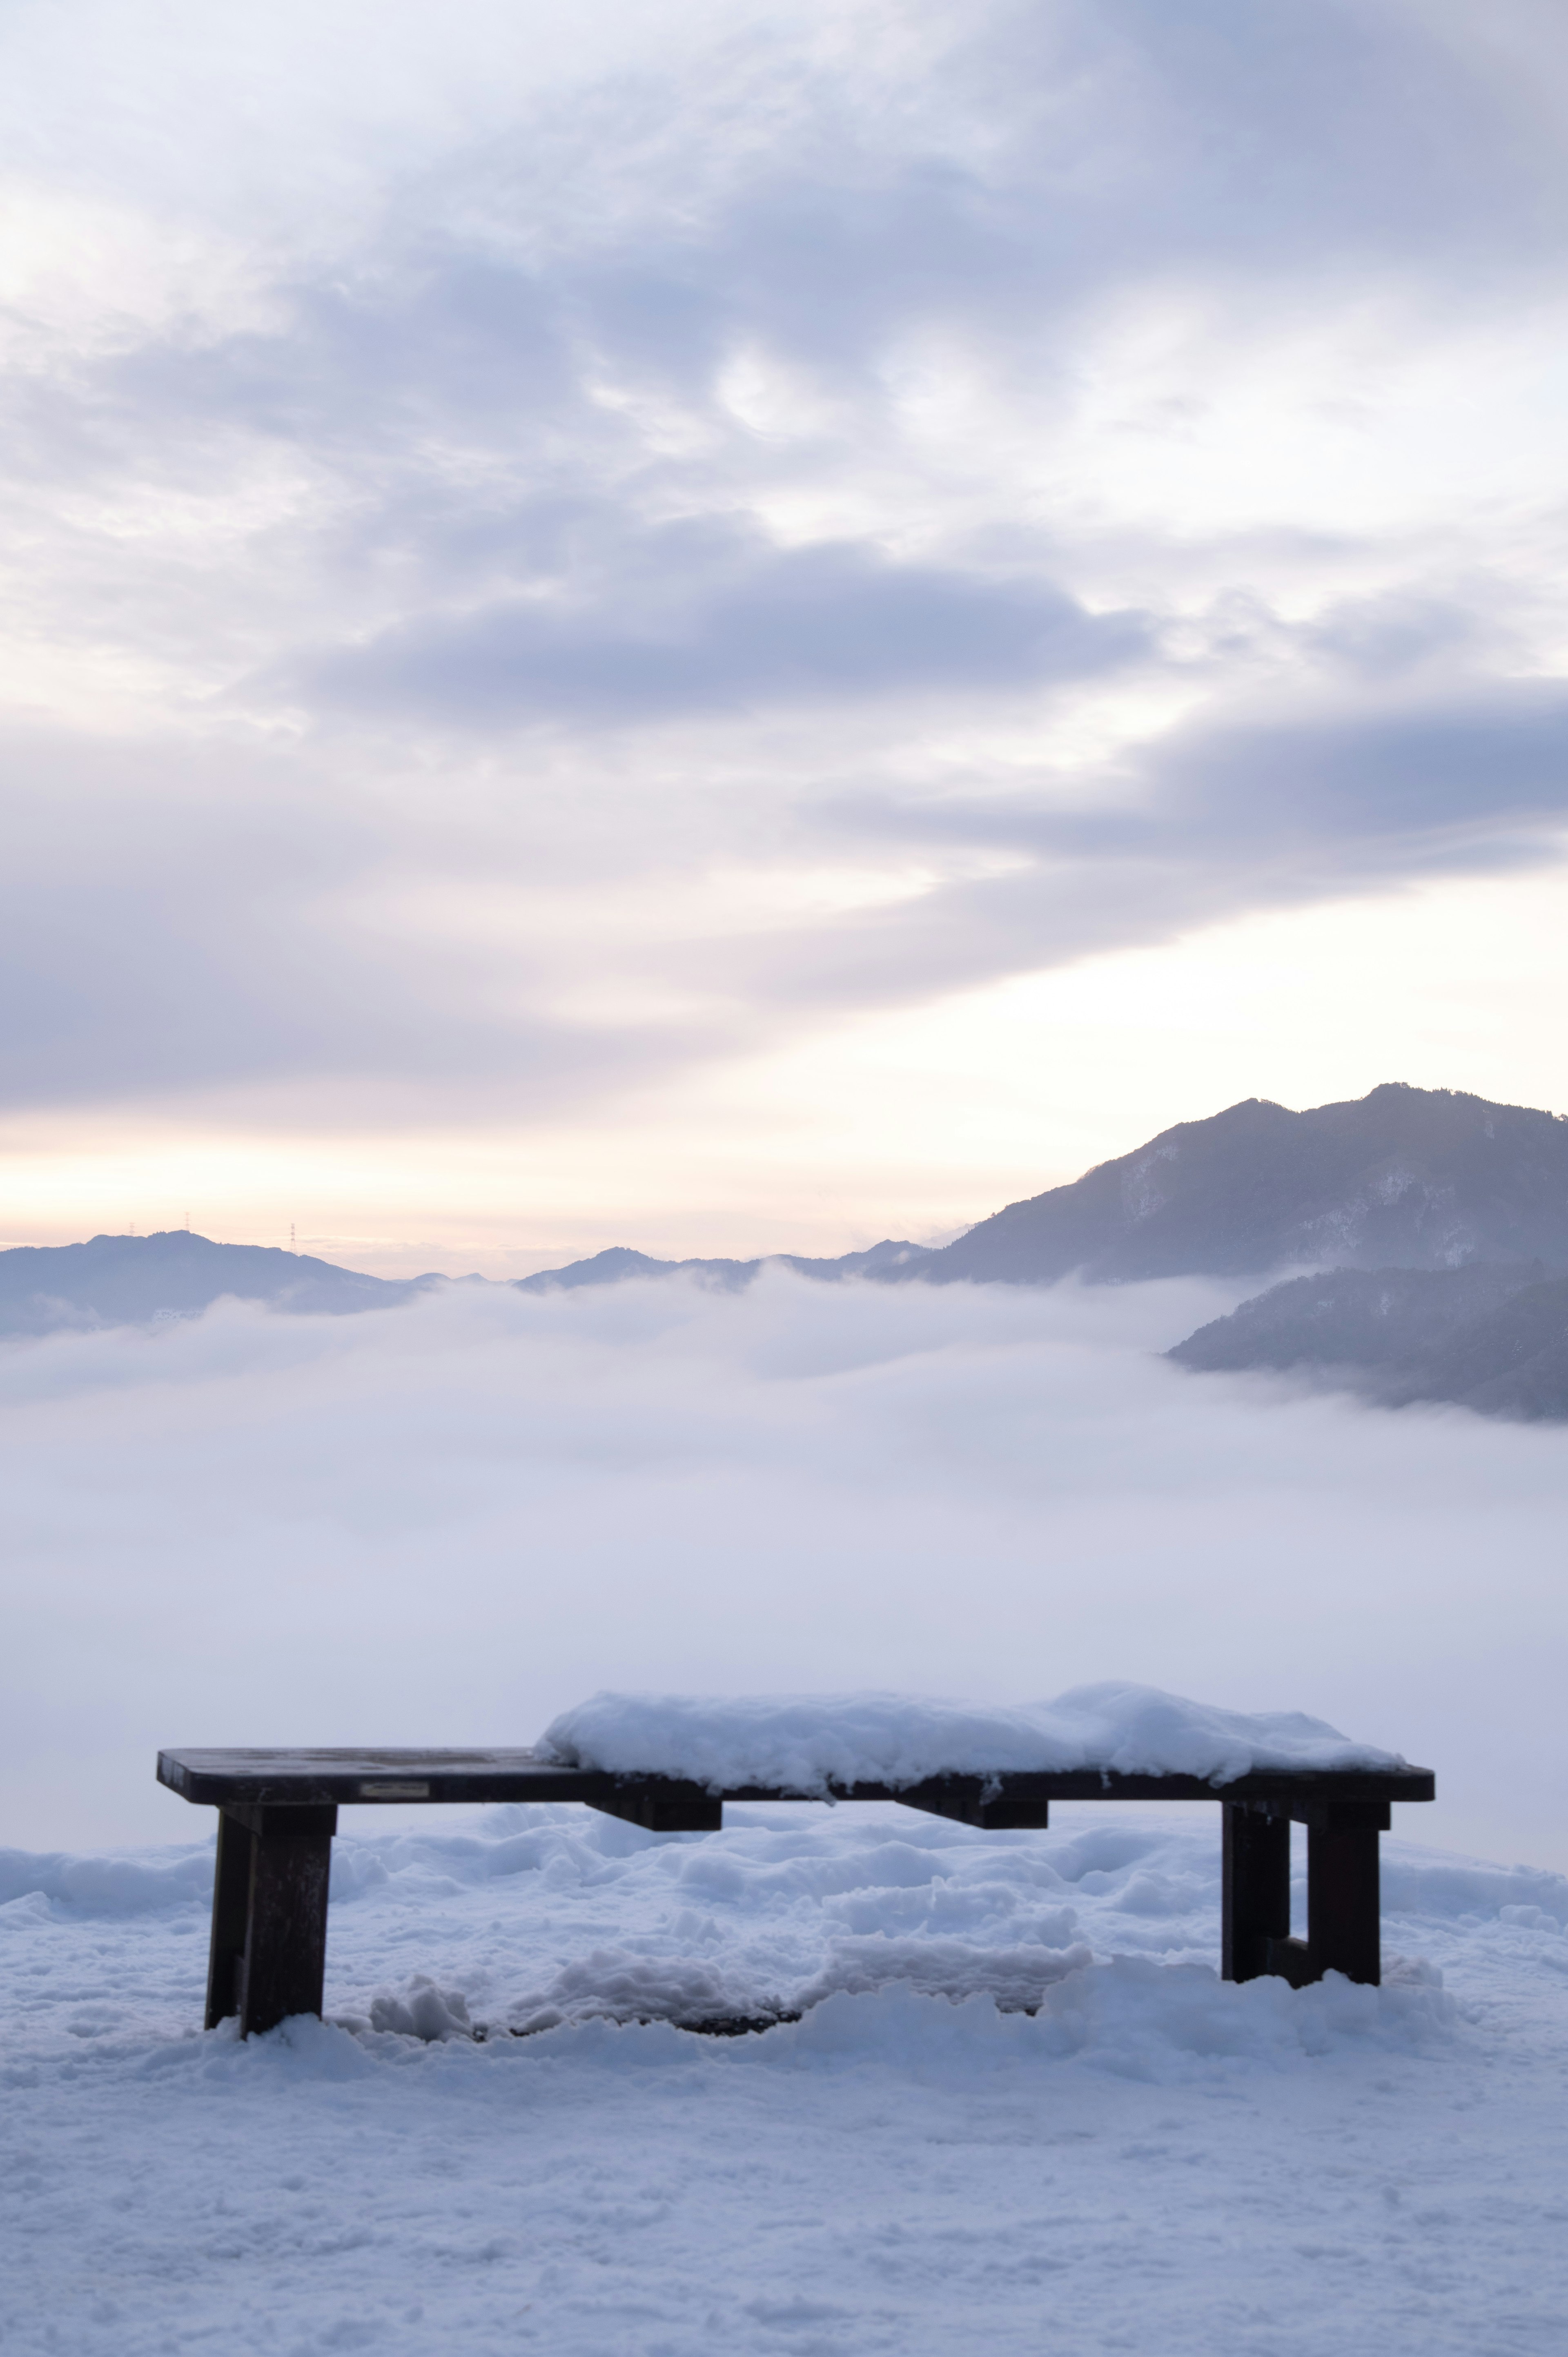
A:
670	1764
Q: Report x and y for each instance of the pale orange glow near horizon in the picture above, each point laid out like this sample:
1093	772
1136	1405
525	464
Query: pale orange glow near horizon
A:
913	1124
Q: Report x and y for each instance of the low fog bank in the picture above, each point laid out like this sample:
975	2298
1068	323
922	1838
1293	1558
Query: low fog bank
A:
447	1523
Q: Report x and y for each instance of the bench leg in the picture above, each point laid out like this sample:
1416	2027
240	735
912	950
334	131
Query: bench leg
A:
269	1915
1256	1887
1344	1904
1344	1896
231	1914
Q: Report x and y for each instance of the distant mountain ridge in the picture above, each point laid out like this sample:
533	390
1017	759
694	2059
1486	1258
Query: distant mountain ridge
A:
1443	1218
133	1280
618	1263
1402	1178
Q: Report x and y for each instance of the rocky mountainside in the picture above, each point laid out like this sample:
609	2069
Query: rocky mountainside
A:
1489	1337
131	1280
1401	1178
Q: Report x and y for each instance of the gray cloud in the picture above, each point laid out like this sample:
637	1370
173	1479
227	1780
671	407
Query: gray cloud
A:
1455	777
707	616
1218	818
1476	774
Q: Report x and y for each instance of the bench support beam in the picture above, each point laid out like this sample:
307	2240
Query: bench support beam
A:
976	1801
668	1805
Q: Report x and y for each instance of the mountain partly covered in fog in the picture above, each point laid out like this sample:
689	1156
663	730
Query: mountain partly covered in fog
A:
612	1267
1354	1317
133	1280
1491	1336
1439	1221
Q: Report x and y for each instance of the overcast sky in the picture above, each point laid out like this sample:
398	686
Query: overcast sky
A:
726	627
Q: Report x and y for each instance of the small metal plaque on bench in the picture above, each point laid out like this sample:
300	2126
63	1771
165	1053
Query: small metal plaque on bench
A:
394	1788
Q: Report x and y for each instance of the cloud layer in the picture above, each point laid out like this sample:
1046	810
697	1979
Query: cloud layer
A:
448	1523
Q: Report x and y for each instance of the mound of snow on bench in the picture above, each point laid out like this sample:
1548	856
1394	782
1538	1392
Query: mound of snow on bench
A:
806	1743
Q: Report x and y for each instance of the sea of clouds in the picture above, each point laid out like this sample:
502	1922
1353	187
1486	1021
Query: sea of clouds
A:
448	1523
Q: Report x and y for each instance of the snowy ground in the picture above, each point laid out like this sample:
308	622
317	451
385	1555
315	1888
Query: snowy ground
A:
449	1524
1151	2162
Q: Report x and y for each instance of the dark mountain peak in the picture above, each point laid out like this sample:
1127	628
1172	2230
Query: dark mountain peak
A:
1402	1177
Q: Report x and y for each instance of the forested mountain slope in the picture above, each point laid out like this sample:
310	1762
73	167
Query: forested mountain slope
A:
1492	1337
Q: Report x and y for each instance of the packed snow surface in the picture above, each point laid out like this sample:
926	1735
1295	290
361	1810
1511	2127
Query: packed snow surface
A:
806	1743
1018	2110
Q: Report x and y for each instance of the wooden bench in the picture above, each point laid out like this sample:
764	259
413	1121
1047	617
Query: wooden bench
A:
279	1812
